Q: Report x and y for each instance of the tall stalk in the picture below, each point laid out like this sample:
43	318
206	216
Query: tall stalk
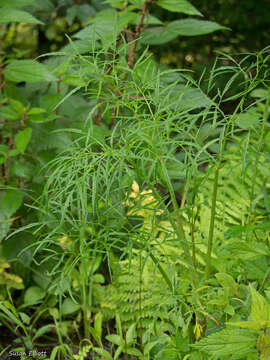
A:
222	147
260	145
212	224
178	226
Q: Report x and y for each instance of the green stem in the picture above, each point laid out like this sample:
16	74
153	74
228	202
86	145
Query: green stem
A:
178	226
223	141
260	146
157	263
212	225
161	270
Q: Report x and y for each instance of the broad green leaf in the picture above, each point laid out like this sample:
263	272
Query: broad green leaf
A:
41	118
184	98
36	111
98	324
115	339
228	282
157	36
49	101
87	33
148	347
105	27
193	27
233	342
33	295
182	6
54	313
82	46
194	99
8	113
260	313
22	139
260	93
248	120
260	309
69	307
43	330
17	106
131	334
252	325
125	18
98	278
104	353
264	346
135	352
15	247
11	202
137	3
44	5
252	250
118	4
168	353
25	318
27	70
16	3
9	14
22	169
83	12
74	80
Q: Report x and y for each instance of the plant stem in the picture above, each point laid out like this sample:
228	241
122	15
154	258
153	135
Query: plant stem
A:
180	229
139	29
212	224
223	140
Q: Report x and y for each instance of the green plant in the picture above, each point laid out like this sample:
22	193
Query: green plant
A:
129	193
248	343
148	148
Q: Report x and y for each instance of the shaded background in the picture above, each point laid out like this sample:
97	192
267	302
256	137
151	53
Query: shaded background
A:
247	19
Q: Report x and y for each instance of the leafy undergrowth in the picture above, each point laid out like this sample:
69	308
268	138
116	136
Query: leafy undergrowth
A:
134	211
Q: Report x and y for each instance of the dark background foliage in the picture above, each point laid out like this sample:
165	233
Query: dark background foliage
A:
248	21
